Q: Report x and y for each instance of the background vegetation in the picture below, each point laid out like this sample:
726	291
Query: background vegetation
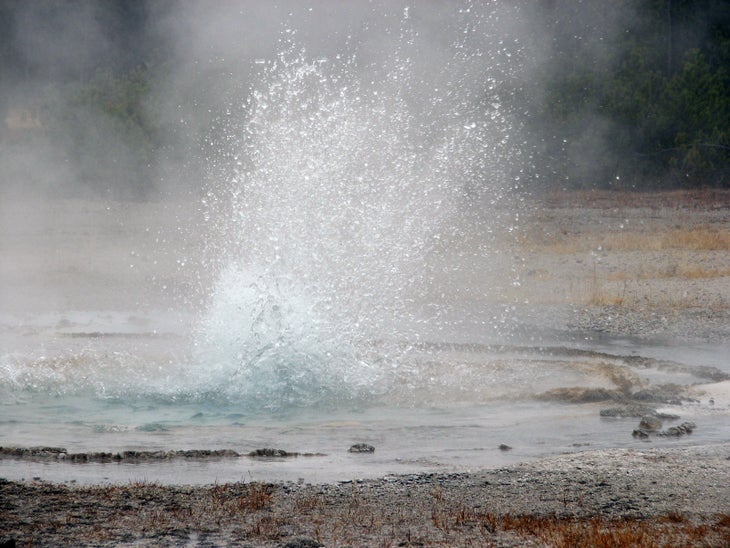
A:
629	93
644	83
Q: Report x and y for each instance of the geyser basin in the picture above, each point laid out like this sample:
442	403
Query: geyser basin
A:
350	238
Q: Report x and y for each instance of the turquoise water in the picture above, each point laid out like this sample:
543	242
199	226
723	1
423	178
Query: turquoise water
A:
446	408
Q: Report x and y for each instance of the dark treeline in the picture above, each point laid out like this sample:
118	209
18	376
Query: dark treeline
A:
636	93
69	40
83	70
628	93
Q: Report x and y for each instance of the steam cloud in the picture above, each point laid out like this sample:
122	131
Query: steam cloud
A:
202	56
202	62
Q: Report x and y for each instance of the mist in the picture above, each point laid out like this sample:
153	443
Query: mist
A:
120	120
135	113
129	99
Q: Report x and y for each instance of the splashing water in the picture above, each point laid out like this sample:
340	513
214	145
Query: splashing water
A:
341	187
343	183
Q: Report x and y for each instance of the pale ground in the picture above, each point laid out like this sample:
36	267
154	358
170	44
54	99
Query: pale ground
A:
644	265
632	264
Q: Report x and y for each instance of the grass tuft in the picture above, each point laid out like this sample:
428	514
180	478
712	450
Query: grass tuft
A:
691	239
673	529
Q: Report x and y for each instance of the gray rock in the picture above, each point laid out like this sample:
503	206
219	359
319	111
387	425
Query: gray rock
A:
578	394
302	543
361	448
659	394
650	423
636	410
628	411
667	416
268	452
672	431
676	431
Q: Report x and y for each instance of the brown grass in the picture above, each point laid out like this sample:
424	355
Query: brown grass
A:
257	496
694	239
622	294
705	238
308	504
673	199
600	296
666	531
259	514
685	271
697	272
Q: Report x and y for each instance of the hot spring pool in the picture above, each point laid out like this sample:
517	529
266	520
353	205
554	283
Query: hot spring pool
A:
446	407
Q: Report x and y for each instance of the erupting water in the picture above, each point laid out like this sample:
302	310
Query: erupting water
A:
341	189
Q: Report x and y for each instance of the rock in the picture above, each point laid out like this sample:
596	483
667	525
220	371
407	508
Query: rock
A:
676	431
60	453
208	453
32	452
268	452
628	411
302	543
152	427
636	410
361	448
673	431
650	424
579	394
667	416
504	447
667	394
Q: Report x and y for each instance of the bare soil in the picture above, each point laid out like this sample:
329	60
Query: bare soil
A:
658	497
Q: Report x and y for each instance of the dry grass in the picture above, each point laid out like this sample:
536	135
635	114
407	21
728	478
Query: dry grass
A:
308	504
151	512
600	295
629	289
257	496
609	199
623	249
675	270
705	238
624	295
566	532
697	272
694	239
601	291
259	514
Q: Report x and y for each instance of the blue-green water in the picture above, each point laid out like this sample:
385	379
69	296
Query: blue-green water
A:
446	408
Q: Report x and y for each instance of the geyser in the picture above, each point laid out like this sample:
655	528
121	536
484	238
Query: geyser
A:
343	180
